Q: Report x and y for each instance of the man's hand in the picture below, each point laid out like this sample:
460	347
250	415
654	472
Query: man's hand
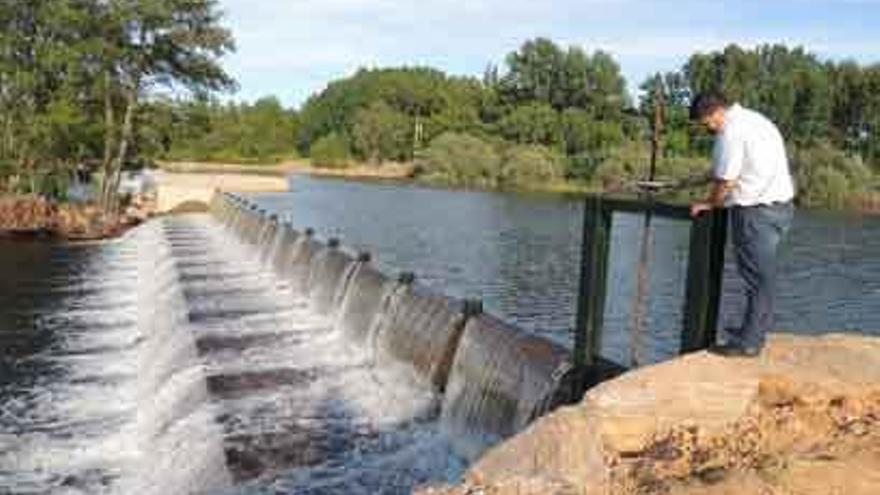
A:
718	192
699	207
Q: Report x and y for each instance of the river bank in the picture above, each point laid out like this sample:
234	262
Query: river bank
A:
804	418
389	171
30	216
866	203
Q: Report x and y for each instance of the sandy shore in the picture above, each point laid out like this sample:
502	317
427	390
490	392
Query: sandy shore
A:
389	170
177	188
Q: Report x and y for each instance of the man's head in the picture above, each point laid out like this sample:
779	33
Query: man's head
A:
708	109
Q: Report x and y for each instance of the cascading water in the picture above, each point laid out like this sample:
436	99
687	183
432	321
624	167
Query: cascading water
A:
501	379
67	392
244	357
329	273
127	410
423	329
303	408
180	442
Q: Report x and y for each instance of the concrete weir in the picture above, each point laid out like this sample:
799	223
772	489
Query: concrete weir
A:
496	377
237	355
322	373
501	379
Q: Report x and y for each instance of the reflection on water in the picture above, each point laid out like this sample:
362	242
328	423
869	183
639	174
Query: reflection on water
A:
520	253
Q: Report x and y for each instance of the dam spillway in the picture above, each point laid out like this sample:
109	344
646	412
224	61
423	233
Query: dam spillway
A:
233	354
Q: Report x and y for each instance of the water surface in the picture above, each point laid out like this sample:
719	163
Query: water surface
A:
520	253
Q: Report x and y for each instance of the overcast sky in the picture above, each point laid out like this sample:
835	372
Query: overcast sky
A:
293	48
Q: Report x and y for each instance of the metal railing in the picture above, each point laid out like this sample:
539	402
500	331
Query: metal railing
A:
705	270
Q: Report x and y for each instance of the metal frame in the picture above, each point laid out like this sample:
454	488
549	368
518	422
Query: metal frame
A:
708	234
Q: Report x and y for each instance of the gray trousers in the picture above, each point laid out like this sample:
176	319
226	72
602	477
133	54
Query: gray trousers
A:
756	232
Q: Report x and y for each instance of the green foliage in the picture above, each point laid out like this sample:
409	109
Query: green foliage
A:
528	166
622	165
202	130
828	177
790	86
331	151
77	83
381	133
460	160
425	97
73	76
468	161
542	72
534	123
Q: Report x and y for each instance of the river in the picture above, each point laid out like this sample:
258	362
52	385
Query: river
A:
174	361
520	252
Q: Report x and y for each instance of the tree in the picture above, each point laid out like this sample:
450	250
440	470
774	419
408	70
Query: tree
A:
71	71
380	133
534	74
541	72
535	123
789	85
42	80
145	44
430	100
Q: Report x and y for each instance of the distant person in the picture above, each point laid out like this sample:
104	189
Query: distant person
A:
750	176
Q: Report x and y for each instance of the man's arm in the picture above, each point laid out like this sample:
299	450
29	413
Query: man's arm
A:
719	190
728	155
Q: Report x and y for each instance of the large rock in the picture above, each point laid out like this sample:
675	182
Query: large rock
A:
803	418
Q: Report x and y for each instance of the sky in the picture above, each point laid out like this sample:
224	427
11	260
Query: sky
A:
294	48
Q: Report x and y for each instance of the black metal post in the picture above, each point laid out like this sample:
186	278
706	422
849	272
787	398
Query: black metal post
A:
592	285
704	279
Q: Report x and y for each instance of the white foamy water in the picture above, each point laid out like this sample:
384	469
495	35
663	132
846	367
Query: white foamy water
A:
69	428
304	409
179	363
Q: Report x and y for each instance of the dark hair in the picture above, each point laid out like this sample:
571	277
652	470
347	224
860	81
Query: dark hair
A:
705	103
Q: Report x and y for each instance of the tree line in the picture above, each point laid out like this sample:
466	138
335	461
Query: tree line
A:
551	113
99	82
76	74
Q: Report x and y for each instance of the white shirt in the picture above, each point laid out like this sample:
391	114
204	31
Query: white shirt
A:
750	151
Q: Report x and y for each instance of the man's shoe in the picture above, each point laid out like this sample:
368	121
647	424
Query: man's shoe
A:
729	350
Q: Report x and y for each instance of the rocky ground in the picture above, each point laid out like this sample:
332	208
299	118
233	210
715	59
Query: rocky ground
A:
803	419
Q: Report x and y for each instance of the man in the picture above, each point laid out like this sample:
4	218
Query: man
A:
750	175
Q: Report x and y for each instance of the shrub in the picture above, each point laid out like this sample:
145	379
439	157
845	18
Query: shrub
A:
525	166
828	177
622	165
459	160
828	187
331	151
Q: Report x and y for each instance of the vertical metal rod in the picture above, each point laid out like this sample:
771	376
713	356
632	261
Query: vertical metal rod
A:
639	310
657	124
592	285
